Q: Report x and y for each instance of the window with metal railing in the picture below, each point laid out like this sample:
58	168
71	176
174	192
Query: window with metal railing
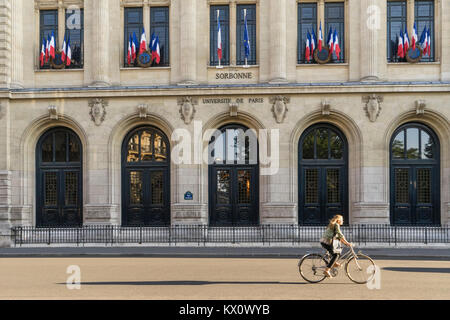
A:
307	22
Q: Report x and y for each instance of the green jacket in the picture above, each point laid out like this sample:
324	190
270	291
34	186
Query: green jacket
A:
332	232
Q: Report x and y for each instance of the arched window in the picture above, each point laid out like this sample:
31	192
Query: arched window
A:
415	187
234	177
145	178
323	181
59	179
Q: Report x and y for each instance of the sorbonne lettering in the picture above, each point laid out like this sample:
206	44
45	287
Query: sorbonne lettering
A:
234	75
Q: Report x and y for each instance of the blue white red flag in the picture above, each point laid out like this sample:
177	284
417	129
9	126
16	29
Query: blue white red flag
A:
219	38
308	47
313	41
424	41
47	49
405	41
42	55
320	40
246	37
143	43
64	50
156	53
337	47
400	51
414	37
129	54
429	42
69	54
52	49
330	40
134	46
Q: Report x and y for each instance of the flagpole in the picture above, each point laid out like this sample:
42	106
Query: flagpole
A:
245	19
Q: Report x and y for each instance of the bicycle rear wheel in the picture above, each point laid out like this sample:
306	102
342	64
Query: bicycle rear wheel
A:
360	269
311	267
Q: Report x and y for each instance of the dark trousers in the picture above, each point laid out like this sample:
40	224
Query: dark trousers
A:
334	256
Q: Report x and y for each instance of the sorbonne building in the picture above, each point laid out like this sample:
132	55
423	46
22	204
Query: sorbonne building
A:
365	134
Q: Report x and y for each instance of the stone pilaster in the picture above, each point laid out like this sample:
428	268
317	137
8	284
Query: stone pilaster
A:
5	43
100	45
188	42
371	29
444	11
278	43
17	44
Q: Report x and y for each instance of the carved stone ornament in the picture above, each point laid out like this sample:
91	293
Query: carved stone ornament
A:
187	109
279	108
373	106
420	107
143	110
53	112
98	110
326	107
233	109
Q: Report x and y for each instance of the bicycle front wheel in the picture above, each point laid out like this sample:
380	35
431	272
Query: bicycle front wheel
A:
311	267
360	269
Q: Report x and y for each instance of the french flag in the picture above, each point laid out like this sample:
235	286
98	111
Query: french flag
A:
52	46
414	37
320	41
308	47
405	41
219	38
156	53
337	48
143	45
330	40
134	45
42	56
400	52
63	51
129	55
69	54
313	41
429	42
424	41
47	49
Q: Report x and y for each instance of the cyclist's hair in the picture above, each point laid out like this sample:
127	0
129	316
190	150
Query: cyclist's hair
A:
334	220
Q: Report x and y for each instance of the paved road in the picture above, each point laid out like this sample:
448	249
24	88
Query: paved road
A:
211	278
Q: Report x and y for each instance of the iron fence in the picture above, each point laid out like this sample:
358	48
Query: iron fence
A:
202	235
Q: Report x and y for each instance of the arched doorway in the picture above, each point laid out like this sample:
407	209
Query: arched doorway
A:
59	193
323	175
145	178
234	177
414	176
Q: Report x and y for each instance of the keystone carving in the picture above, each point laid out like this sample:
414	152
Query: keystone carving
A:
326	107
233	109
98	110
53	112
373	106
143	110
187	109
279	107
420	107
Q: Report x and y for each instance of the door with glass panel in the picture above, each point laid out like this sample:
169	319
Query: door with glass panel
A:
415	186
145	178
233	178
322	175
59	179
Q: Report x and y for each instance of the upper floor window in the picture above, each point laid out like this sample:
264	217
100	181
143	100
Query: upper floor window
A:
335	21
219	14
396	24
307	23
159	26
75	32
48	25
424	18
246	48
133	27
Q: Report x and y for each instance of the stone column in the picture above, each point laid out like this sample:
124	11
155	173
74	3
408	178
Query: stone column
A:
17	44
445	43
233	11
100	44
370	33
5	176
146	19
278	43
188	42
5	43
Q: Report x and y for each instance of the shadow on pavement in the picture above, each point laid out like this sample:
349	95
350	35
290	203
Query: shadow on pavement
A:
414	269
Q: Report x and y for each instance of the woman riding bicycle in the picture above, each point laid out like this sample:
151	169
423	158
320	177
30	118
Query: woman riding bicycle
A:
333	231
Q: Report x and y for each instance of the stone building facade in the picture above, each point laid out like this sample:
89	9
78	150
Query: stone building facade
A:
365	100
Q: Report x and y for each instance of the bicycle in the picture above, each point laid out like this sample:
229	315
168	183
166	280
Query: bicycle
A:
359	267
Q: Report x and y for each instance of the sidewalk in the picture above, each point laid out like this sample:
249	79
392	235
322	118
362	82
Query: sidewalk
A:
217	252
